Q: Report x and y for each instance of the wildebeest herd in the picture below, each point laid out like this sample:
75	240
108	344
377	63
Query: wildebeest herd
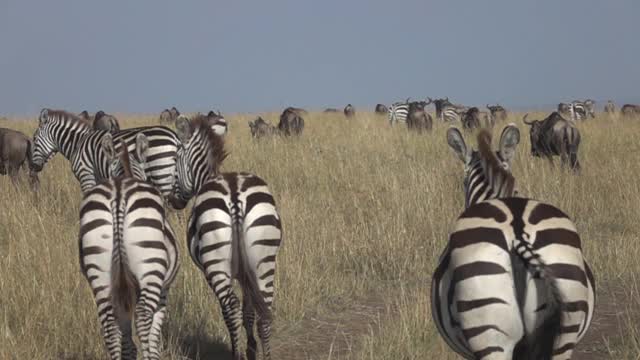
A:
501	242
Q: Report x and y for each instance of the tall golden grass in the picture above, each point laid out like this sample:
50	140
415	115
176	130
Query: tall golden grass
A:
366	211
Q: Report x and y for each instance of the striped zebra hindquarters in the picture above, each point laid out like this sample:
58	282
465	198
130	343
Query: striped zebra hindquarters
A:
128	254
239	240
480	308
234	232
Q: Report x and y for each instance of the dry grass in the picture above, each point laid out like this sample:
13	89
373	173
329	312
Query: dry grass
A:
366	211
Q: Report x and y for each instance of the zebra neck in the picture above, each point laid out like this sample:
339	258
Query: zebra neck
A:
69	141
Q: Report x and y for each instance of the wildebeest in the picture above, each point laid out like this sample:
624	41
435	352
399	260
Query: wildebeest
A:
471	119
417	118
217	122
630	110
169	115
610	108
349	111
563	109
498	113
291	123
105	122
16	151
331	110
555	136
259	128
381	109
440	104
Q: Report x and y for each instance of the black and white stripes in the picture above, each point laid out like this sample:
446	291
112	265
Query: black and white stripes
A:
234	232
398	112
128	255
512	282
59	131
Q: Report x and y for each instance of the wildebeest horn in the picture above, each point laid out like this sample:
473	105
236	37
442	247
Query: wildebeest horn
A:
447	99
409	98
524	119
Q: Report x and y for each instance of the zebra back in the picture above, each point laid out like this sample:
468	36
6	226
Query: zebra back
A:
398	112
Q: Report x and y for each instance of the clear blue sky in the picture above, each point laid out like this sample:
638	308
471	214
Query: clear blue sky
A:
144	56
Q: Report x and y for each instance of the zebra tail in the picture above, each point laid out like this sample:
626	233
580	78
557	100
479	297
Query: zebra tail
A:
124	286
246	275
540	344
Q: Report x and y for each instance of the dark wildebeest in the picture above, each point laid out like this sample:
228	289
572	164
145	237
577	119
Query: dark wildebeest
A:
16	150
290	122
471	119
217	122
417	118
106	122
630	110
260	128
564	109
440	104
555	136
349	111
381	109
610	108
498	113
331	110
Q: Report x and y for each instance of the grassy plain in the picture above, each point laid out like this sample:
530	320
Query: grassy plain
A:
366	211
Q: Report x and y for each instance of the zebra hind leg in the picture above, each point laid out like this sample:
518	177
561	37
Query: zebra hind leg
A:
264	331
145	310
248	318
155	333
231	312
111	332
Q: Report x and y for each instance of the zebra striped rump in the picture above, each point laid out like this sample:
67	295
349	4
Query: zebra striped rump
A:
129	256
512	282
234	232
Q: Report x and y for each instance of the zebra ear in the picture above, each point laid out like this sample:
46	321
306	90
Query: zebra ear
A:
509	140
142	144
108	147
456	142
183	128
44	116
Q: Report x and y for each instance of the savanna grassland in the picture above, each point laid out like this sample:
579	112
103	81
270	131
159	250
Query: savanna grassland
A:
366	210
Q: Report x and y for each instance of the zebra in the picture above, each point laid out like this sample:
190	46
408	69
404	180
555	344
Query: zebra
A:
398	112
581	110
60	131
512	283
349	111
217	122
452	113
234	232
128	253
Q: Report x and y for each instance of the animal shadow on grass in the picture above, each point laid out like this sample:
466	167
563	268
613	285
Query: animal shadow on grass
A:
201	346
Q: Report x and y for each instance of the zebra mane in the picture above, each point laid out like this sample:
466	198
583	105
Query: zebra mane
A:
217	152
500	180
62	114
124	160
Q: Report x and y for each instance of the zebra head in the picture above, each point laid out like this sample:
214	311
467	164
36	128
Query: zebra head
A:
217	122
126	164
48	137
199	156
486	173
